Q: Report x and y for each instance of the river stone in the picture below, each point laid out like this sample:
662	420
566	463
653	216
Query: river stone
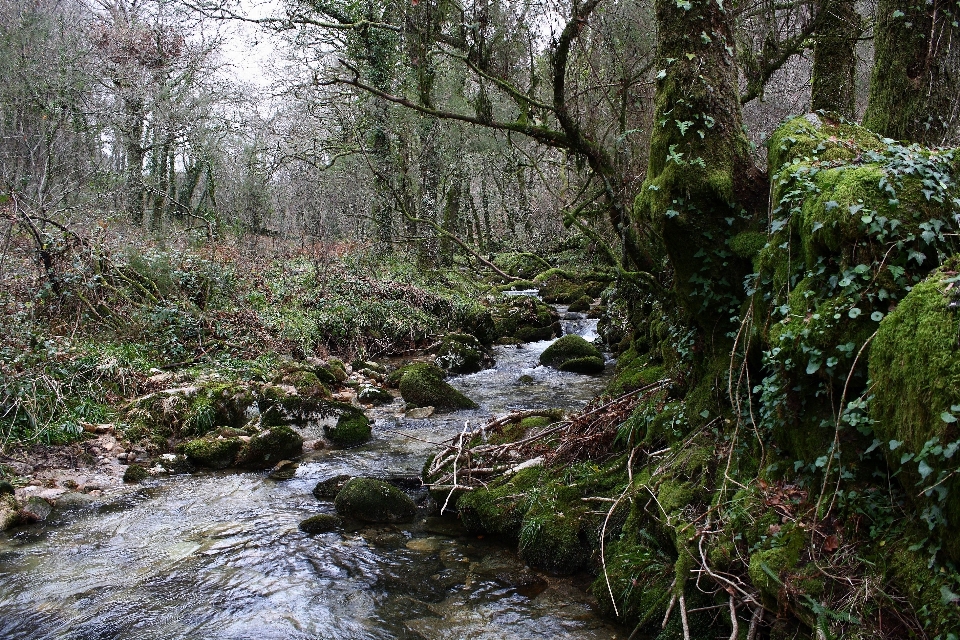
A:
422	385
329	488
35	509
418	413
321	523
461	353
372	500
370	394
352	428
573	353
215	453
269	447
283	470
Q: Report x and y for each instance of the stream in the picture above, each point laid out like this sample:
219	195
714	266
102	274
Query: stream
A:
220	555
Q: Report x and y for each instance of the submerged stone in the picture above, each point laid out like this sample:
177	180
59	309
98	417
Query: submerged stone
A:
321	523
372	500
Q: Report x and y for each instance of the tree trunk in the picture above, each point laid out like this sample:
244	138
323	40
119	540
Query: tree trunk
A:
916	69
700	174
834	57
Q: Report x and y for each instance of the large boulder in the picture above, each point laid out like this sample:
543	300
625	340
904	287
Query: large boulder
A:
352	428
422	385
573	353
915	367
269	447
461	353
215	453
372	500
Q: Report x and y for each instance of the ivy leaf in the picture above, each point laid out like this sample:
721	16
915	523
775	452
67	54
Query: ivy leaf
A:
661	74
948	417
813	366
948	597
876	316
854	312
831	205
924	469
898	14
894	444
855	209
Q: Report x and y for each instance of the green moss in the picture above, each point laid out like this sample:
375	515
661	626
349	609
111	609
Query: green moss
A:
748	244
581	304
215	453
422	385
562	291
352	428
811	136
550	538
568	348
135	473
525	318
374	501
374	395
551	274
915	366
499	508
521	265
585	365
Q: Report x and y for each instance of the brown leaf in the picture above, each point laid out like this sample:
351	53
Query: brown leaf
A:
831	544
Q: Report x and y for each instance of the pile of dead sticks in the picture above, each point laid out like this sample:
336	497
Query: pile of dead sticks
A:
471	460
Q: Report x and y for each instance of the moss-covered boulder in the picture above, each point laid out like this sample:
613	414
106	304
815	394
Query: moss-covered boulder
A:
269	447
214	453
352	428
189	411
9	511
573	353
320	523
581	305
135	473
461	353
369	394
329	488
915	367
525	319
559	290
372	500
423	385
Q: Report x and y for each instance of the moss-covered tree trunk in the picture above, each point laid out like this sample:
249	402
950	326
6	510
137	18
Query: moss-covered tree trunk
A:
834	57
700	171
913	90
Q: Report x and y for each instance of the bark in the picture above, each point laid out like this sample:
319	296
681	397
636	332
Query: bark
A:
700	174
834	57
913	89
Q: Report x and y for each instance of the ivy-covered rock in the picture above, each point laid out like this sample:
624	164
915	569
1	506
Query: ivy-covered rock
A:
269	447
422	385
352	428
372	500
461	353
915	368
573	353
320	523
189	411
214	453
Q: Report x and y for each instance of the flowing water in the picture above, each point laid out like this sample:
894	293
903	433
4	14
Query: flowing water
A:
219	555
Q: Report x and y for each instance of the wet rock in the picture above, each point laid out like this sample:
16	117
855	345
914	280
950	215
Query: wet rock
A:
425	545
214	453
509	573
419	413
422	385
573	353
265	449
369	394
35	509
135	473
525	319
284	470
175	463
329	488
352	428
372	500
321	523
451	527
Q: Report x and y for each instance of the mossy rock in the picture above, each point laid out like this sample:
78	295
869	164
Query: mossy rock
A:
573	353
562	291
461	353
422	385
135	473
329	488
9	511
307	384
581	304
269	447
372	500
634	370
373	395
520	265
525	318
215	453
499	508
915	367
550	539
6	488
352	428
321	523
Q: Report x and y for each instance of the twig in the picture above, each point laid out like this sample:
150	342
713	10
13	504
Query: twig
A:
734	624
683	617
